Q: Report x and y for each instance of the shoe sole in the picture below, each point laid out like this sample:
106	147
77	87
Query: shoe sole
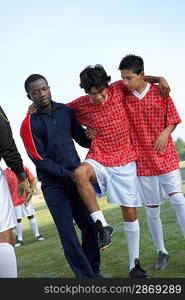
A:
112	234
107	246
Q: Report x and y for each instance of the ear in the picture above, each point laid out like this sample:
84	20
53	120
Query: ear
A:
142	74
29	97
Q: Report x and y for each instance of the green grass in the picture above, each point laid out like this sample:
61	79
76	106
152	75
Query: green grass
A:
45	259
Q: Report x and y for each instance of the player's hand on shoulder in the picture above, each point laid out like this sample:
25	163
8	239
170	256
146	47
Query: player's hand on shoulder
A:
90	133
31	109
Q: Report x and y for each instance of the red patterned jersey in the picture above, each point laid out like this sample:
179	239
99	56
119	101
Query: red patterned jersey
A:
112	145
13	185
148	117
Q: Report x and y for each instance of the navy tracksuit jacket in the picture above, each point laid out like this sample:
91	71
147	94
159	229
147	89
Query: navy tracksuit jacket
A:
48	139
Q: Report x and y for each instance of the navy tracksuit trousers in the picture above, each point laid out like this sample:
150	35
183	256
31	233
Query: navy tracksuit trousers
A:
65	204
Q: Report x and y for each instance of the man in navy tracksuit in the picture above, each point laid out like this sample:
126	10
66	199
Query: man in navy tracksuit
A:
48	138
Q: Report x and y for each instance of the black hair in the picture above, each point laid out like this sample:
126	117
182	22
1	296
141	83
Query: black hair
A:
31	78
94	76
132	63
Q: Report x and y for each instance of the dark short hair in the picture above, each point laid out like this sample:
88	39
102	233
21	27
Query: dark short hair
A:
94	76
132	63
31	78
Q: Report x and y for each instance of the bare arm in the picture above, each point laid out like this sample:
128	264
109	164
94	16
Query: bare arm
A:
163	84
162	139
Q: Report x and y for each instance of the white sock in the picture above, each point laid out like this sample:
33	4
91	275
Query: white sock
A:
155	227
34	227
180	214
8	263
132	233
98	215
18	229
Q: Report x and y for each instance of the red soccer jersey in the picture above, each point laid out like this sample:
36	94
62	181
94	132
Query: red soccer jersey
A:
148	117
13	185
112	145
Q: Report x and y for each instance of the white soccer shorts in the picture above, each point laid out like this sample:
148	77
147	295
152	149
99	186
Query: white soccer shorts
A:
119	184
22	211
155	189
7	215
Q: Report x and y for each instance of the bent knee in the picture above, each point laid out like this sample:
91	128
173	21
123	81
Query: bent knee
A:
83	172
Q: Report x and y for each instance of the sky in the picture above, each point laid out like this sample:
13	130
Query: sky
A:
58	39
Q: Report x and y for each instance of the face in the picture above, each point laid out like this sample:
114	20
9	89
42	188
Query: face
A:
132	80
39	93
98	96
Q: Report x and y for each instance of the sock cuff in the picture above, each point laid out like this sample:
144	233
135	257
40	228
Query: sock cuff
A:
98	215
153	212
131	226
32	220
95	212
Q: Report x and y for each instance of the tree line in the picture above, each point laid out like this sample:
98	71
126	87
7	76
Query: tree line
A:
180	147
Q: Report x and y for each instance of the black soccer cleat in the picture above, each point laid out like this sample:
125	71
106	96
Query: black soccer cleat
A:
18	243
137	271
162	260
39	238
104	235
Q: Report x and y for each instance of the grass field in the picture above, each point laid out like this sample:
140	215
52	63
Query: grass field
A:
45	259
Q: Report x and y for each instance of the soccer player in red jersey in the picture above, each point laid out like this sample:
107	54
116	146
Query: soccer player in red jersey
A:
20	209
111	159
152	120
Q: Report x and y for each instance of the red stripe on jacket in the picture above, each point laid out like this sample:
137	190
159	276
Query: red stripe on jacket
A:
27	138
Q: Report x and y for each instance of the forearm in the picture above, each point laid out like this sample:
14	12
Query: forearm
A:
12	158
161	142
8	148
169	129
50	168
153	79
163	84
83	141
78	132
